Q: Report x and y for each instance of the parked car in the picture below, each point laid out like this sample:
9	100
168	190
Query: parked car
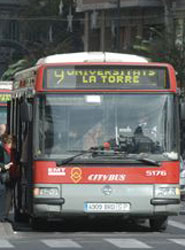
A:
182	179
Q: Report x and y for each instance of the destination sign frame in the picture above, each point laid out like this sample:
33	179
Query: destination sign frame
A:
5	97
99	77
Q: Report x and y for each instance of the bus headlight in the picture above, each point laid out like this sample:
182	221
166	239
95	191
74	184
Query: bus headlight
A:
166	191
46	191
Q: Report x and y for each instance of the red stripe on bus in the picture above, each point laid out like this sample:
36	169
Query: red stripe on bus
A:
48	173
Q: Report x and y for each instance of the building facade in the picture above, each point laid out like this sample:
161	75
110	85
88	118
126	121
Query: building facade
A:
107	25
115	24
10	36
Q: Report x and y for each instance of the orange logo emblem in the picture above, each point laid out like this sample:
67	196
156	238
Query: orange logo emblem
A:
76	175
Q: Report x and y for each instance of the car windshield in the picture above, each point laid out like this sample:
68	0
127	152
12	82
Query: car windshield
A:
132	123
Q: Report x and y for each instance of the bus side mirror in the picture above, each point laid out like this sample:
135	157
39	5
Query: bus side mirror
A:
26	112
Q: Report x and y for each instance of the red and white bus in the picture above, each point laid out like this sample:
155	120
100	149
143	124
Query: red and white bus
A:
97	134
5	97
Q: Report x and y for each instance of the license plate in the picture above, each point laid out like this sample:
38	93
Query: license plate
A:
106	207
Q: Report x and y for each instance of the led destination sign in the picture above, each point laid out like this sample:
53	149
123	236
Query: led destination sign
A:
105	77
5	97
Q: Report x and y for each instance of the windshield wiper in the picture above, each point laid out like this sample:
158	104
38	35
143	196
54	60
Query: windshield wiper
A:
94	151
71	158
149	161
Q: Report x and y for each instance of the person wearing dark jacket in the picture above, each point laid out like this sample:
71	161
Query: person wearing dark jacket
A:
5	164
143	144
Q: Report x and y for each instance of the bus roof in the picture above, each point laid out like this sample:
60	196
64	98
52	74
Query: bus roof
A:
92	57
6	85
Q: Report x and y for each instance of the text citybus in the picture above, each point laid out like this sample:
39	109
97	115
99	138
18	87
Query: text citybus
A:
5	96
97	134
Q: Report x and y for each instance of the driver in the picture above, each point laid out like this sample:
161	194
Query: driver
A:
143	144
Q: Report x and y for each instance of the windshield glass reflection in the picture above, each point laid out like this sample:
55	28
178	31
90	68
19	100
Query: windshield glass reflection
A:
130	123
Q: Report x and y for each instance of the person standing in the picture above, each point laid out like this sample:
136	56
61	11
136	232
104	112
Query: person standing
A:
5	165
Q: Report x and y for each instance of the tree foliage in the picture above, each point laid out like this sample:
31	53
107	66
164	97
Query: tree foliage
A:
164	48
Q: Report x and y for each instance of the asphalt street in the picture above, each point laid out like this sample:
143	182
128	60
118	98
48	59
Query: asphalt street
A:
93	234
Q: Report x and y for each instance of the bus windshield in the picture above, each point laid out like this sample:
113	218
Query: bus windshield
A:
134	123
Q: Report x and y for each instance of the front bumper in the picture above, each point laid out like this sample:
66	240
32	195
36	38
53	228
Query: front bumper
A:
73	197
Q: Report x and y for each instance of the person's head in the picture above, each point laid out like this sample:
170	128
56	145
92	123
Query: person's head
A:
2	129
138	131
7	139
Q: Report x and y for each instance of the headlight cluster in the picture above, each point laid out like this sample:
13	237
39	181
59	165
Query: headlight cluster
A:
166	191
46	191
